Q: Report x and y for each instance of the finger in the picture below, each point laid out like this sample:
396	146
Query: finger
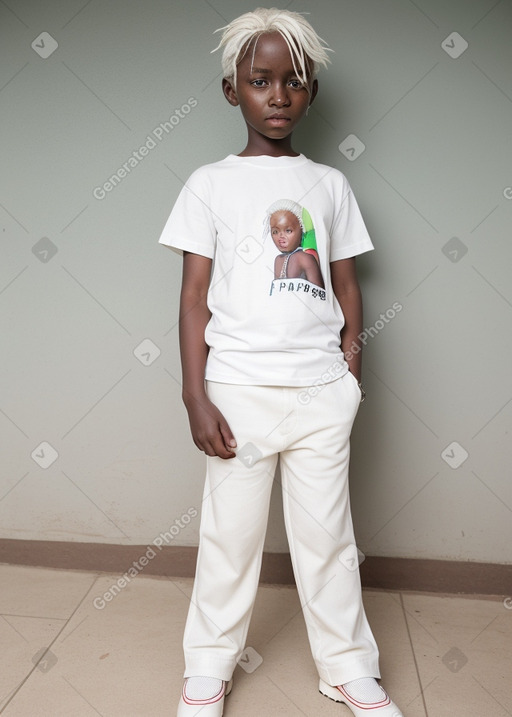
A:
227	437
215	446
221	450
222	442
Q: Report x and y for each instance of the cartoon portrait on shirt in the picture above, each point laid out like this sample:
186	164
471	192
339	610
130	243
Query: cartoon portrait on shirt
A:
291	229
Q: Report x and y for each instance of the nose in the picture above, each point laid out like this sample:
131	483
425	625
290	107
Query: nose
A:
280	97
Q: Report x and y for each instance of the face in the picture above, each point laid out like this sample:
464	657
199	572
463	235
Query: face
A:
270	95
286	231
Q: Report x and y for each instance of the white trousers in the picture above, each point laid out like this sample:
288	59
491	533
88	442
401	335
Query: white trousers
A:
309	429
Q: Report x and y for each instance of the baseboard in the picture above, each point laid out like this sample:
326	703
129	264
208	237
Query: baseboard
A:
385	573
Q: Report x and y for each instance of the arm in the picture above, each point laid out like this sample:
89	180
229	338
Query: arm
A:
347	291
310	266
208	426
278	264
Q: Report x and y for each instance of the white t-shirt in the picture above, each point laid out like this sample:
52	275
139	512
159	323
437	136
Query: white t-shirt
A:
275	318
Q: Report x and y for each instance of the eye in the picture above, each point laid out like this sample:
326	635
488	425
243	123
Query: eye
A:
296	84
258	83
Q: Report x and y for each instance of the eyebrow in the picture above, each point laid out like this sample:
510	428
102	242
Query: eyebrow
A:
259	69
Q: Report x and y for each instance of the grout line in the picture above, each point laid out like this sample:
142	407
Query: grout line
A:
287	696
50	645
404	612
33	617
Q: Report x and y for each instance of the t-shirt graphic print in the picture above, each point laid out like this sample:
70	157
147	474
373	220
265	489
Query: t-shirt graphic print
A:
272	226
297	267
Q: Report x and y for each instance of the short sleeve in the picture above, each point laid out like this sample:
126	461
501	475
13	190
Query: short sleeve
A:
349	236
190	226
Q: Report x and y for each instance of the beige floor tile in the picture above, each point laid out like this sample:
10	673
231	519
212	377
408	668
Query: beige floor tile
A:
35	604
23	640
275	606
286	681
121	660
399	676
41	592
463	648
122	657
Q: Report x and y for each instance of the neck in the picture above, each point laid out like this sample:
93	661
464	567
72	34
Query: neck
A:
258	144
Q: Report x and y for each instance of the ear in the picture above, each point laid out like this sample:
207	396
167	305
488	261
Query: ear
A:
230	92
314	90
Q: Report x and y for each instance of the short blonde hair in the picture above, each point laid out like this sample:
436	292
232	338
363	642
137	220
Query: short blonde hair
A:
285	205
302	40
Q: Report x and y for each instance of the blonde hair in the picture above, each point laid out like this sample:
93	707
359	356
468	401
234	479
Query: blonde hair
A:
301	38
285	205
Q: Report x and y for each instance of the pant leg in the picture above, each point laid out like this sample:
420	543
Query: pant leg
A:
233	526
318	520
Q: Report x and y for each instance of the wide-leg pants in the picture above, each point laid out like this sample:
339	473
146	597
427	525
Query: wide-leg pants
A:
309	430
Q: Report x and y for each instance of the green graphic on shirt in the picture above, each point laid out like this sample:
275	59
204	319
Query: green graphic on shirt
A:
309	237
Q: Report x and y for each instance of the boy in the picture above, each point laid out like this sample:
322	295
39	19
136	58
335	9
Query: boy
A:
287	233
248	354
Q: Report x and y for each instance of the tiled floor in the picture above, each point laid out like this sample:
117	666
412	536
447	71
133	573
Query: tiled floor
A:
65	652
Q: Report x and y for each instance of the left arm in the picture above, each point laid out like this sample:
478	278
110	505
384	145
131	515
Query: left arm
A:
310	266
347	291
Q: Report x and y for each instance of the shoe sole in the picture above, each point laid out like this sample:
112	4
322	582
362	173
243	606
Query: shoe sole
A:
331	692
336	696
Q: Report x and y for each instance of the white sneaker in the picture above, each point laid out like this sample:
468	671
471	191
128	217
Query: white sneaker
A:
209	707
383	708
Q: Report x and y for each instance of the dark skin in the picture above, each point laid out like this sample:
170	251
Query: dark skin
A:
286	234
273	101
300	266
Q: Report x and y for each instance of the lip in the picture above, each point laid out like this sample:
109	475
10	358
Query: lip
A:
278	120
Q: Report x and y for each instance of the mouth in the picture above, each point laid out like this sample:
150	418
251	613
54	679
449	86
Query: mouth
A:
278	120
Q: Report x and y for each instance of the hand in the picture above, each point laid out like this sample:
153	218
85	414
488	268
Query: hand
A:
210	430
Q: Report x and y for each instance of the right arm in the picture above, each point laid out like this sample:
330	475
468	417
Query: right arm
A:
310	266
208	426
